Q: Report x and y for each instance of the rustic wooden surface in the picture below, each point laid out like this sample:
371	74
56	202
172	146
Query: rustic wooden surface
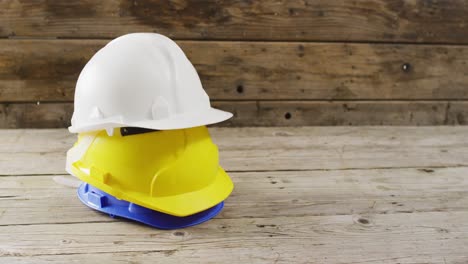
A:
317	84
275	113
394	62
302	195
415	21
46	71
337	84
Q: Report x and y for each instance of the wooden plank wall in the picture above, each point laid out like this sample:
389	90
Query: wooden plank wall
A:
288	63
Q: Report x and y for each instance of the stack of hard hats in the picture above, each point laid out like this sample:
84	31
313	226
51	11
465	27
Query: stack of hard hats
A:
143	150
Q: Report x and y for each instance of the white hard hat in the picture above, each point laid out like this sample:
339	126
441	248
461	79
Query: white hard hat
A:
141	80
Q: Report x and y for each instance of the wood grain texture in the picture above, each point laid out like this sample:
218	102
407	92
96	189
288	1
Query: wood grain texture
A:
35	115
331	239
241	256
273	113
417	21
358	228
148	256
374	215
43	151
47	70
260	194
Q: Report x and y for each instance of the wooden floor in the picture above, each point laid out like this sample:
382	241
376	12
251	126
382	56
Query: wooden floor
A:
302	195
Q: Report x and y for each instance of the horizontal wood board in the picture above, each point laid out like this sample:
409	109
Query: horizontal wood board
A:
42	151
47	70
416	21
274	113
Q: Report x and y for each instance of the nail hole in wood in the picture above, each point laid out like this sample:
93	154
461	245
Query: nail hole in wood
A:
406	67
240	88
427	170
363	221
287	115
179	233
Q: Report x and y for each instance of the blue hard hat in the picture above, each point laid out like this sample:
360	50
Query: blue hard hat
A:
103	202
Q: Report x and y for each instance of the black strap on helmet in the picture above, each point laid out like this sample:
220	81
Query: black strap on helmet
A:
128	131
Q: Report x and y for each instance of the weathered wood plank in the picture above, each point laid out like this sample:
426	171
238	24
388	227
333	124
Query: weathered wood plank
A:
42	199
35	115
318	20
334	239
46	70
457	113
273	113
286	148
243	255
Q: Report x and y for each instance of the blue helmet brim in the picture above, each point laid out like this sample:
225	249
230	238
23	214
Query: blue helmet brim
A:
106	203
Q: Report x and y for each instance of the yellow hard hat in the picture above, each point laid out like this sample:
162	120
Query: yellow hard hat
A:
172	171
